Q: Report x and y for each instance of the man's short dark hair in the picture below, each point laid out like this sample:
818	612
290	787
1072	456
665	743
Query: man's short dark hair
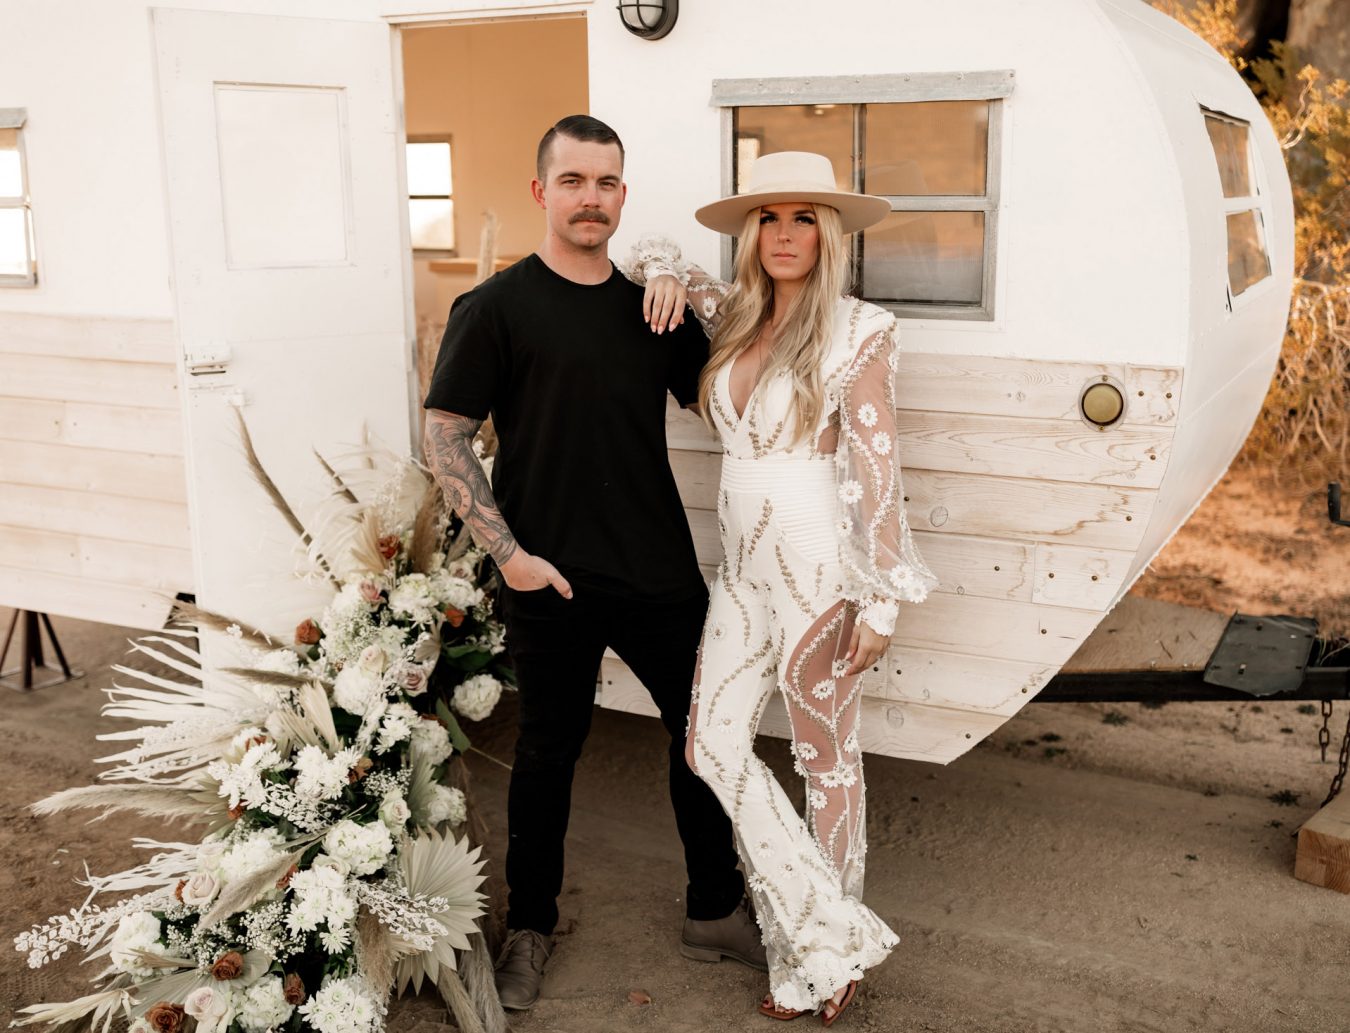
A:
575	127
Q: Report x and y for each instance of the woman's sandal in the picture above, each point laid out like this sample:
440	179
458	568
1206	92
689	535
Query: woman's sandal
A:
769	1008
850	991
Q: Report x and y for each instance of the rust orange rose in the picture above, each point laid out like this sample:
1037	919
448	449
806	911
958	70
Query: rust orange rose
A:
293	989
454	617
236	812
307	633
285	880
178	890
165	1017
359	769
228	966
388	545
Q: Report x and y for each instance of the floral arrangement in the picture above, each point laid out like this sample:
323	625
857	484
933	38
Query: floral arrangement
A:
323	771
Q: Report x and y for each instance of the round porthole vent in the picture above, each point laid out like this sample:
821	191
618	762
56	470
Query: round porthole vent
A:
1102	403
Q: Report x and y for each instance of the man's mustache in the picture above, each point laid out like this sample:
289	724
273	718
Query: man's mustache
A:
589	215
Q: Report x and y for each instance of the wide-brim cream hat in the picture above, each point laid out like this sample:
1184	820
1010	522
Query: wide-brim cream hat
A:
793	176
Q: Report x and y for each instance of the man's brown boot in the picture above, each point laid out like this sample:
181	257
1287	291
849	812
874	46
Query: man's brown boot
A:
520	968
736	937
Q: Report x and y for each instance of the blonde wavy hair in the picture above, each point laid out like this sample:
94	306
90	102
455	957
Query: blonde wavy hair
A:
805	330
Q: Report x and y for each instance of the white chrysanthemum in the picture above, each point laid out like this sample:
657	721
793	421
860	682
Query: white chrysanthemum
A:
430	741
263	1006
396	725
823	689
881	443
243	782
321	777
364	847
138	931
342	1006
475	697
446	804
356	688
850	492
867	414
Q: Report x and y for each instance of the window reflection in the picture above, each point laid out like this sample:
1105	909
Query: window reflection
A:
936	147
925	257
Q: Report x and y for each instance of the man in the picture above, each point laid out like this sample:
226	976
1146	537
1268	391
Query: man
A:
585	523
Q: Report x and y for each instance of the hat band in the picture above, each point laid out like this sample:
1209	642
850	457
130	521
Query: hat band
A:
790	186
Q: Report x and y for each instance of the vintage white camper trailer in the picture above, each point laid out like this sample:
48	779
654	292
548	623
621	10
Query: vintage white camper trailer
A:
222	205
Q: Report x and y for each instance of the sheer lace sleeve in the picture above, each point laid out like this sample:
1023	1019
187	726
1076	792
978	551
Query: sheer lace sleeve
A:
877	548
654	256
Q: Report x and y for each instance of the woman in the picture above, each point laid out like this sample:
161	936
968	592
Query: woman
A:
818	556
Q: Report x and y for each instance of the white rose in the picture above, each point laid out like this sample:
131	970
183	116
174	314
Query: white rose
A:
446	804
327	861
208	1006
430	741
355	688
200	890
475	697
394	811
140	1026
372	659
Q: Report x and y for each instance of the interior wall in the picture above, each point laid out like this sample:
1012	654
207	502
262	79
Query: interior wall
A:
494	88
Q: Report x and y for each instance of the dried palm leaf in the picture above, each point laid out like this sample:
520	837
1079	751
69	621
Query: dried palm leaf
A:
426	530
365	549
276	678
244	893
441	866
191	613
273	493
83	1012
149	800
342	488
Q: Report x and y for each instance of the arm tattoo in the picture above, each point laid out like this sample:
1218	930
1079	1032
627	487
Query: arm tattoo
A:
448	443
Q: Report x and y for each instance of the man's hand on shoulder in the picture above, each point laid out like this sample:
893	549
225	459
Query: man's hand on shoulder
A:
526	573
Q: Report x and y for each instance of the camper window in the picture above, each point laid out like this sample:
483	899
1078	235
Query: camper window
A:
929	143
431	205
18	260
1248	253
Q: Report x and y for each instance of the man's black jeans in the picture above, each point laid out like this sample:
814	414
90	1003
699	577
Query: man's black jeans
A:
556	645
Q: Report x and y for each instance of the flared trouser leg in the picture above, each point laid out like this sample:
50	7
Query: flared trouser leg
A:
776	622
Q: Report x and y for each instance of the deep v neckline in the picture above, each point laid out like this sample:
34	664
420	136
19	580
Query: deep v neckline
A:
754	385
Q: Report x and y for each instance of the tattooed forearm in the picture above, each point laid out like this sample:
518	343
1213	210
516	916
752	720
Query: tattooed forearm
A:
448	443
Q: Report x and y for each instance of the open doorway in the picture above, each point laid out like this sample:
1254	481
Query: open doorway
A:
477	98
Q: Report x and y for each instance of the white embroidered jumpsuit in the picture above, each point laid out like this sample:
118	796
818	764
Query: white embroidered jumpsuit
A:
812	541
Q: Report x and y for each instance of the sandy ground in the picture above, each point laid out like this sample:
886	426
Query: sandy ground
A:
1076	872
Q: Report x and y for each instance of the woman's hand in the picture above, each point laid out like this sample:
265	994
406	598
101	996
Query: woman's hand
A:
865	648
663	303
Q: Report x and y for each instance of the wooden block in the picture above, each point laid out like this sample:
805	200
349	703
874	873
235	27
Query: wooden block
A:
1323	855
59	379
89	337
1146	633
1042	449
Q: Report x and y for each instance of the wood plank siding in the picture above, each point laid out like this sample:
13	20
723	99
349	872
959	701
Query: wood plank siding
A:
93	508
1029	516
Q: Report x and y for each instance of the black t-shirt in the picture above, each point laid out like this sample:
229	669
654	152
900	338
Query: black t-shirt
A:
576	384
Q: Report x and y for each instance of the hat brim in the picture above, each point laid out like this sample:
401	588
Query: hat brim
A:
856	211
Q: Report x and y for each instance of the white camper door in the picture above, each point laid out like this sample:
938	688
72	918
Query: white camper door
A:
281	145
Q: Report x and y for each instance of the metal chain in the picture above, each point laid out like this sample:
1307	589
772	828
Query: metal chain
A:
1341	764
1324	733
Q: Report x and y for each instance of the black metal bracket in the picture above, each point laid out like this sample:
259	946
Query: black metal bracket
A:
1334	504
32	657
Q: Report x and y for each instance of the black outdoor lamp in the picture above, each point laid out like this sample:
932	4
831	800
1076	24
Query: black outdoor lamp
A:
650	19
